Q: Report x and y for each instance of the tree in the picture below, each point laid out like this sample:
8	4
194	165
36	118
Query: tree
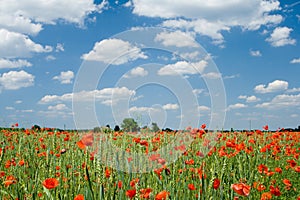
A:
97	129
117	128
129	124
154	127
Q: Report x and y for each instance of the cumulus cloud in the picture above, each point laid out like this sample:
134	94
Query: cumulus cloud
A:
281	101
281	37
138	71
212	75
28	16
177	39
65	77
293	90
114	51
9	64
50	57
141	109
236	106
275	86
58	107
249	99
203	108
198	91
14	80
255	53
210	18
183	68
295	61
14	45
170	106
106	96
59	47
200	26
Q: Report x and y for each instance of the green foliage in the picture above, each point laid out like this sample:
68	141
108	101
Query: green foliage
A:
154	127
129	125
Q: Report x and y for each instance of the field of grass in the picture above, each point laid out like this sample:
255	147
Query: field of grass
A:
51	164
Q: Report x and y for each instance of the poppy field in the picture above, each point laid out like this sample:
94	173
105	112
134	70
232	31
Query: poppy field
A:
56	164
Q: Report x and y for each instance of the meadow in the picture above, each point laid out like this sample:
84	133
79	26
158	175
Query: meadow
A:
56	164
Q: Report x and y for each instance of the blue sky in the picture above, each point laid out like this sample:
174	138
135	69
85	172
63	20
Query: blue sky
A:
90	63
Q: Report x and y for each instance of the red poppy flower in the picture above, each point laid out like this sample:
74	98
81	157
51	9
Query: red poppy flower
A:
120	184
287	182
131	193
133	182
216	183
275	190
80	145
79	197
203	126
10	180
50	183
292	163
241	188
189	162
278	170
107	173
88	139
162	195
262	168
145	193
261	187
266	196
191	186
266	127
2	173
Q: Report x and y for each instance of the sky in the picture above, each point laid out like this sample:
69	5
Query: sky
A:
81	64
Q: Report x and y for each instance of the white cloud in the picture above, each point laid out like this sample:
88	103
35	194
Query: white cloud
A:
212	75
210	18
114	51
18	23
281	37
18	102
170	106
203	108
9	64
201	26
236	106
275	86
295	61
9	108
58	107
190	55
14	45
183	68
65	77
50	57
26	111
28	16
59	47
294	115
281	101
198	91
293	90
231	76
138	71
177	39
127	4
14	80
255	53
106	96
141	109
249	99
